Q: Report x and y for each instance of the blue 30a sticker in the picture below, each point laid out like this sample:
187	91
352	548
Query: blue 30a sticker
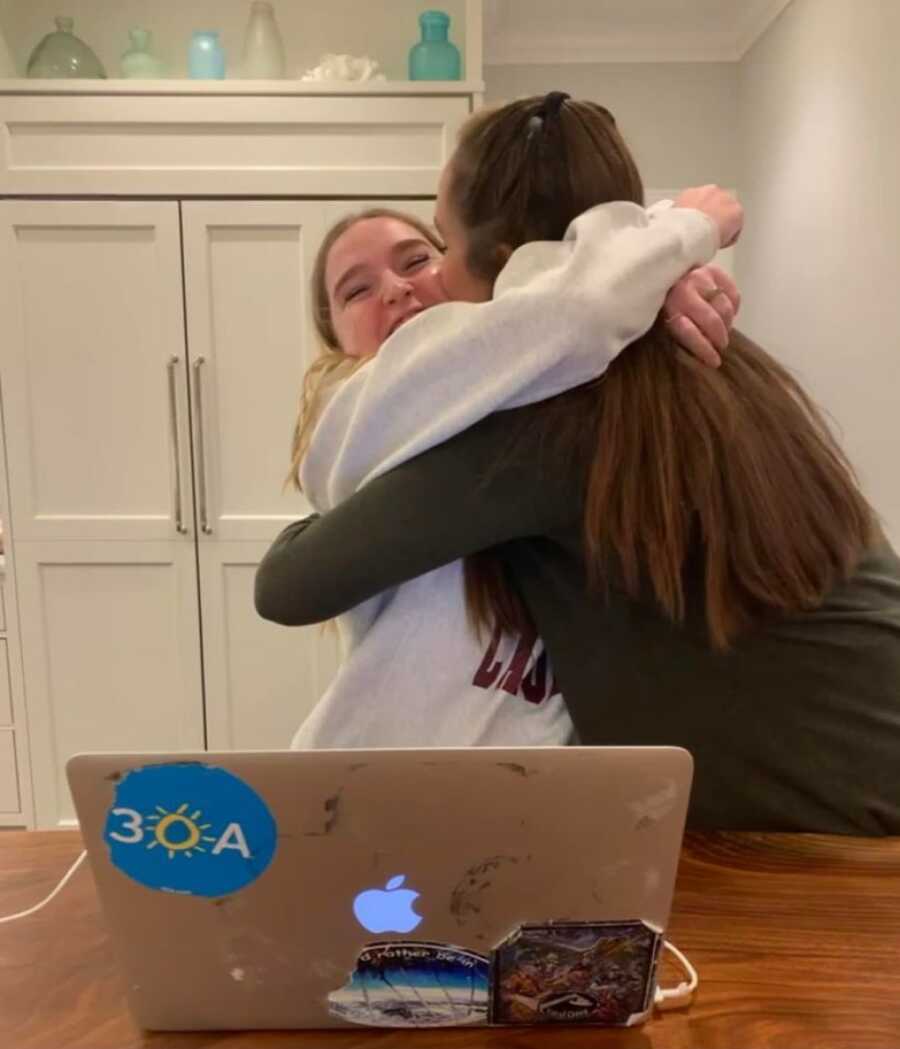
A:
189	828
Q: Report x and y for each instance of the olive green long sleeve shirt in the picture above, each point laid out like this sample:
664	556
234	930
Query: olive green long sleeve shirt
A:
796	728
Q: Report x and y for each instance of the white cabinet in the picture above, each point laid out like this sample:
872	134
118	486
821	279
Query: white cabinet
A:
93	315
263	146
247	266
10	800
10	796
15	778
151	366
94	380
6	707
156	242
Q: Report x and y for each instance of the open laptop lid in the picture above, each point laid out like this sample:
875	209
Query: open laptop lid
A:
388	887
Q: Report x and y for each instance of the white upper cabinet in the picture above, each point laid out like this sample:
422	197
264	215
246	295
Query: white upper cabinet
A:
94	370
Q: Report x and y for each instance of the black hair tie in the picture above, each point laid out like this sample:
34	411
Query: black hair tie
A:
549	108
552	104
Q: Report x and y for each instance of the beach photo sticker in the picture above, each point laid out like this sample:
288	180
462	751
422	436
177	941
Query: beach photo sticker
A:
413	983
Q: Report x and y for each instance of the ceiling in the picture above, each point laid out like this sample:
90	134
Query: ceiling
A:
560	31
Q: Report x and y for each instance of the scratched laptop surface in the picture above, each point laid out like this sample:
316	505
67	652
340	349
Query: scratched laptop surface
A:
388	888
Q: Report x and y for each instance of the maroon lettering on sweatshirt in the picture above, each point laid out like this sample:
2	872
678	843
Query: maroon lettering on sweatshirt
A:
487	673
518	674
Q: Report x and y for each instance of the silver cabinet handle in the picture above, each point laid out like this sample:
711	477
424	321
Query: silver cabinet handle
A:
173	420
201	451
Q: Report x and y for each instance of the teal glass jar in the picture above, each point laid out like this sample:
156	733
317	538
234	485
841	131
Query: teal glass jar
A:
434	57
206	59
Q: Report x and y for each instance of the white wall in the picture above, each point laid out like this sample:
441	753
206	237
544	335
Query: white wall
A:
806	127
819	262
679	118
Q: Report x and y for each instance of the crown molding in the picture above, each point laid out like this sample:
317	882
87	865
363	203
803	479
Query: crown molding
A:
593	46
756	20
590	47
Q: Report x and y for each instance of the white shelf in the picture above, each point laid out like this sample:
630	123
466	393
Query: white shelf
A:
24	86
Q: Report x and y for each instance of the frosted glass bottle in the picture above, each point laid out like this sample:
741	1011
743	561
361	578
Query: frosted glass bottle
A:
206	59
434	57
263	57
62	54
137	62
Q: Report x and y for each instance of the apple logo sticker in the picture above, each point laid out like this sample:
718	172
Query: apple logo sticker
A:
389	909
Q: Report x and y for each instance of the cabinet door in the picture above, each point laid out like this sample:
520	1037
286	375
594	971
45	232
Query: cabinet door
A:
247	267
92	355
94	382
111	645
249	341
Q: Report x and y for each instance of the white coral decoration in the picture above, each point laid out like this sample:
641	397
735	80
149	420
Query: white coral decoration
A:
344	67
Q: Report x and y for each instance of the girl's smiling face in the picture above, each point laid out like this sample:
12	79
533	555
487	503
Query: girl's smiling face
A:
379	273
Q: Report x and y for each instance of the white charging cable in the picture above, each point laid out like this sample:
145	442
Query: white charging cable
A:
43	903
680	996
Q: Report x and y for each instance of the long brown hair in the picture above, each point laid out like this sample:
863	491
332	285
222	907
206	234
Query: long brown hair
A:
736	463
332	364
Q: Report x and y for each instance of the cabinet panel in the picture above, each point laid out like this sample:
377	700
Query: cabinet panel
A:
111	655
6	708
94	411
247	266
261	679
9	778
194	146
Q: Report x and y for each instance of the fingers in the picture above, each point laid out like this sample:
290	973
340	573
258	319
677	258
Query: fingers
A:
721	306
700	310
710	299
736	226
688	335
708	319
722	207
724	282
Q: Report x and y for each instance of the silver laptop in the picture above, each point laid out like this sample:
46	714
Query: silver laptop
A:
387	888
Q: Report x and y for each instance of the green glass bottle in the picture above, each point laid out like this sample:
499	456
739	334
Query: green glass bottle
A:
62	54
138	63
434	57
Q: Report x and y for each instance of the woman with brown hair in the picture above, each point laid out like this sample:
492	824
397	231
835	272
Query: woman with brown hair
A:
690	543
393	379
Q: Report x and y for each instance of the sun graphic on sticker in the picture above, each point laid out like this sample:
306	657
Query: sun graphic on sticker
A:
167	821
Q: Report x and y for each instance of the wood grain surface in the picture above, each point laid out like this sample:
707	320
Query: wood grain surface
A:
796	939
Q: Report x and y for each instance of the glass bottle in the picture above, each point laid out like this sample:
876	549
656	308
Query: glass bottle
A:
138	62
206	59
434	57
62	54
263	57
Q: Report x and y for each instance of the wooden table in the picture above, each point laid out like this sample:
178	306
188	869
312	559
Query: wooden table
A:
796	938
